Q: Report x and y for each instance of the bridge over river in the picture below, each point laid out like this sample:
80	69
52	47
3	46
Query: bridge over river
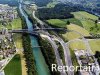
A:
35	31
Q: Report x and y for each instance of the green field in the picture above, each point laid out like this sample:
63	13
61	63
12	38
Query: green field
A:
88	21
84	15
14	66
57	22
74	21
80	45
95	45
77	45
16	24
71	36
88	24
75	33
78	29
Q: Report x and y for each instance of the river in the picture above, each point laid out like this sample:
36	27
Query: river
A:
41	65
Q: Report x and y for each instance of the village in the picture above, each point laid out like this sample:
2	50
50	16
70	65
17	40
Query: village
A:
7	44
7	14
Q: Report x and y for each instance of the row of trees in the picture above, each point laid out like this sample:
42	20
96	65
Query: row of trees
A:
61	52
30	62
49	54
74	60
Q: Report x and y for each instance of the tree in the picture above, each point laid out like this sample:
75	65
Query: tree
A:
96	21
99	18
68	22
97	55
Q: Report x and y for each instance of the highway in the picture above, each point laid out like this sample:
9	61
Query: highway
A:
55	47
67	55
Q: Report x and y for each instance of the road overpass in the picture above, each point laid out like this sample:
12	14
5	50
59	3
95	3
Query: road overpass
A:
35	31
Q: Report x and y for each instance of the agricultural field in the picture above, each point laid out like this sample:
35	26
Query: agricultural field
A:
88	24
88	21
73	21
57	22
14	66
75	33
95	45
16	24
91	26
71	36
78	29
77	45
80	45
84	15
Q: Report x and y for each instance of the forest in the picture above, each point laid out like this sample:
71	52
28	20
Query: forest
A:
60	11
